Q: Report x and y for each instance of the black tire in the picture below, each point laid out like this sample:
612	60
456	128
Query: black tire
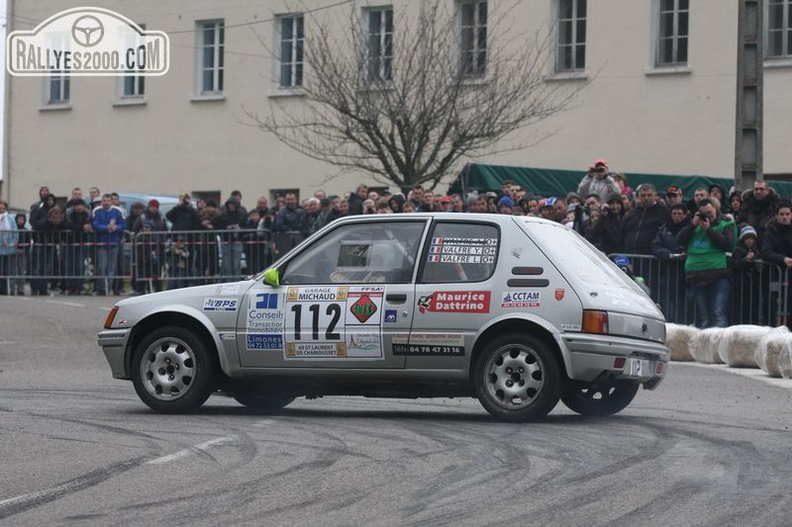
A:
261	400
517	378
173	371
605	397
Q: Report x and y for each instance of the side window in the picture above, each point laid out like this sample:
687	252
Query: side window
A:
461	252
359	254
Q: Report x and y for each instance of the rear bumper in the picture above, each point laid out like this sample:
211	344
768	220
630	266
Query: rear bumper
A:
592	355
114	343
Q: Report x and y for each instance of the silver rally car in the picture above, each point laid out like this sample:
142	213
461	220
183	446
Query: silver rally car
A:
516	311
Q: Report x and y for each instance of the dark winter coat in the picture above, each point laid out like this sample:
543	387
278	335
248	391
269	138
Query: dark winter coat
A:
184	218
639	227
665	241
756	212
776	243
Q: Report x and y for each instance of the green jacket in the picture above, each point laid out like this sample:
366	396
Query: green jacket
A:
706	251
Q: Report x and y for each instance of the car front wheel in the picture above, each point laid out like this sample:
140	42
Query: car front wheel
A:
605	397
172	371
517	378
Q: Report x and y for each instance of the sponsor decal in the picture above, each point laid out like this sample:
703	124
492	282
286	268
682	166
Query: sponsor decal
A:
520	299
429	344
318	350
267	300
220	304
227	336
570	327
455	302
618	299
559	294
363	309
363	346
228	289
390	316
316	294
264	342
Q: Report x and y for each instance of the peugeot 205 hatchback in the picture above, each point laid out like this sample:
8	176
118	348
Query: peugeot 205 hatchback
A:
518	312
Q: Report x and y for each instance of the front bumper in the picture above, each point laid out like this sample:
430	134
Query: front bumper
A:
592	355
114	344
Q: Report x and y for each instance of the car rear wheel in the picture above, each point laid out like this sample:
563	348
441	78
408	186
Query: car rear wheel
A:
261	400
606	397
172	371
517	378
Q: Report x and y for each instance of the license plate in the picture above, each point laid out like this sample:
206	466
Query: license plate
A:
634	368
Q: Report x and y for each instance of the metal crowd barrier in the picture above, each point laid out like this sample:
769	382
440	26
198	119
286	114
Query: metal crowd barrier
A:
148	261
759	296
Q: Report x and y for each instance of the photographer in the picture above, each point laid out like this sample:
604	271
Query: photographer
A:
707	239
599	181
604	233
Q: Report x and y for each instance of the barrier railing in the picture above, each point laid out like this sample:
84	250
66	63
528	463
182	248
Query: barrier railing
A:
75	263
758	294
62	261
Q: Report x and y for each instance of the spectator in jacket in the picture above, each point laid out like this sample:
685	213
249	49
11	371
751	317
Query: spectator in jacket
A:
153	215
699	194
638	230
78	225
776	246
748	279
604	233
228	225
108	223
184	217
758	207
203	250
9	237
599	181
22	252
355	200
707	240
671	267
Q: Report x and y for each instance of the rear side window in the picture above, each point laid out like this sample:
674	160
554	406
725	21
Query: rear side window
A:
460	252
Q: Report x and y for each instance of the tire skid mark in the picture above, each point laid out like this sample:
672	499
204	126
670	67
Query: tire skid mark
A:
31	500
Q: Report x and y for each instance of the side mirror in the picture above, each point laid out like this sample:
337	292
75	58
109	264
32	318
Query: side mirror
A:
272	277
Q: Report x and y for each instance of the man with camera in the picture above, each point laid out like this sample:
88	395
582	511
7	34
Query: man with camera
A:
707	239
599	181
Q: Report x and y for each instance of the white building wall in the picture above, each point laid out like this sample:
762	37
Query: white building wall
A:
641	119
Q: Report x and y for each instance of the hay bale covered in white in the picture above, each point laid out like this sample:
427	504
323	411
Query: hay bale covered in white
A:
739	343
678	339
774	354
704	346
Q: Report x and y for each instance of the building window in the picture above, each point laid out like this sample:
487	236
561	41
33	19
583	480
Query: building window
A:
134	86
212	41
571	52
672	34
292	37
379	45
473	38
58	89
779	29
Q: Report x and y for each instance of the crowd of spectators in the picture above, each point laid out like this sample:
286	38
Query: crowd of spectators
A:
712	243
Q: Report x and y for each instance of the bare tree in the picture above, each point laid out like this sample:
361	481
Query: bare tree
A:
404	95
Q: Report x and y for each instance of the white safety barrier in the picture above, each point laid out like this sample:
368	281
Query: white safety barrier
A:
678	339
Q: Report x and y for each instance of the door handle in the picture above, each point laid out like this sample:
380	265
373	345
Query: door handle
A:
396	299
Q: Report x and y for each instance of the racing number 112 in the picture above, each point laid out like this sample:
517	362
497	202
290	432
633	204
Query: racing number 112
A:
333	310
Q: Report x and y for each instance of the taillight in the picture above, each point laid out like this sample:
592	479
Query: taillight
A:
595	321
110	317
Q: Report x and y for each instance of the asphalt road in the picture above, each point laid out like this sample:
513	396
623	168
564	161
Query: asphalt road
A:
78	448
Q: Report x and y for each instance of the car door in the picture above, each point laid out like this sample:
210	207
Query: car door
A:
343	300
453	293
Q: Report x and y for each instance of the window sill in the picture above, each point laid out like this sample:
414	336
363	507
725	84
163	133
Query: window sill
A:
55	107
778	63
130	101
209	97
286	92
668	70
561	76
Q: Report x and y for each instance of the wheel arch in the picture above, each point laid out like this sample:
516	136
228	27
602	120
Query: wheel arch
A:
532	326
195	322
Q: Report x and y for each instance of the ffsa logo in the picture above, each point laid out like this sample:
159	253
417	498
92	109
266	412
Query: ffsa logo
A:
267	301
